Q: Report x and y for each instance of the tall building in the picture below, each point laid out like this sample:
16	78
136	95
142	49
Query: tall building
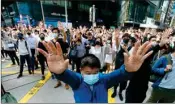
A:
168	16
146	13
54	10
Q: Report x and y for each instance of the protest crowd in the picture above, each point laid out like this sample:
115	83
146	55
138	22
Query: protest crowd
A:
91	60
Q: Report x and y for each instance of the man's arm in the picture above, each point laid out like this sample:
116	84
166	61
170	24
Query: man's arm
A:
70	77
156	67
117	76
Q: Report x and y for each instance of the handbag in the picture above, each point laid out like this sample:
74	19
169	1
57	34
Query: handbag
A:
10	45
7	98
108	58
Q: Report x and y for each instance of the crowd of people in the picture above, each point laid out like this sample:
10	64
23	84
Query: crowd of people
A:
100	58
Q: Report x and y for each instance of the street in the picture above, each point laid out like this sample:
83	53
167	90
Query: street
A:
31	89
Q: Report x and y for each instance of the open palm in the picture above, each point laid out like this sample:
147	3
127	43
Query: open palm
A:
54	57
134	61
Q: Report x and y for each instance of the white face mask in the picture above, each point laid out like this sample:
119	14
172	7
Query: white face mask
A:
54	35
154	43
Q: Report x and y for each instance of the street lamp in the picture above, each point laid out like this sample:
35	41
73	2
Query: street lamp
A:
42	11
66	15
134	15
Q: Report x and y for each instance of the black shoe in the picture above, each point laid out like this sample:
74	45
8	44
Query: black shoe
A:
30	72
19	76
113	95
120	96
13	64
53	77
43	77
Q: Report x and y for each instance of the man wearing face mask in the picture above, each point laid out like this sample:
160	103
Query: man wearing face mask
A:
124	46
152	39
138	85
41	57
25	54
91	86
64	46
90	42
33	42
164	87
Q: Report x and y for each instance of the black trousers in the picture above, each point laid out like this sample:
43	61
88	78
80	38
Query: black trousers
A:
135	96
4	53
22	61
13	57
78	62
33	59
42	61
122	86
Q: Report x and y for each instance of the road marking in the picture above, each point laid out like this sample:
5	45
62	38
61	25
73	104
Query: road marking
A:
13	72
110	99
35	89
110	91
9	65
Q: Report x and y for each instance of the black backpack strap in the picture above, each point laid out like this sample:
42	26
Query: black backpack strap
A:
26	46
17	43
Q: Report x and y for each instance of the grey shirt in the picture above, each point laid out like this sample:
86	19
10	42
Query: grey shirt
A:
169	82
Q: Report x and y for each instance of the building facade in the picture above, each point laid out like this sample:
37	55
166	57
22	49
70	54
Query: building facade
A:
54	10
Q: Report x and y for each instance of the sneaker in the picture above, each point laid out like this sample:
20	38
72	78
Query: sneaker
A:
43	77
19	76
66	86
113	95
120	96
58	85
53	77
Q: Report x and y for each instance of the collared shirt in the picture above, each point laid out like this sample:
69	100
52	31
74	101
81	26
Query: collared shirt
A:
32	42
169	82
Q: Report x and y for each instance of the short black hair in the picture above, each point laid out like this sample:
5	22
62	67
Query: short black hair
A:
90	60
36	31
152	37
56	29
44	30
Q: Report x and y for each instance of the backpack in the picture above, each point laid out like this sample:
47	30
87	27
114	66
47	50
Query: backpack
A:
154	77
6	97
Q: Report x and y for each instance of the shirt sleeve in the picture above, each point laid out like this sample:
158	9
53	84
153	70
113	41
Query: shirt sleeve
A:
70	77
159	66
117	76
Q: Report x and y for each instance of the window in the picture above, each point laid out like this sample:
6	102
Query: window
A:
150	11
83	7
48	2
69	4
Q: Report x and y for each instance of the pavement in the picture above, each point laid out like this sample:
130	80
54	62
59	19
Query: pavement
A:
31	89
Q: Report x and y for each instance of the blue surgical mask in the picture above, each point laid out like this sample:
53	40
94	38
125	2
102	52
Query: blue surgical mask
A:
91	79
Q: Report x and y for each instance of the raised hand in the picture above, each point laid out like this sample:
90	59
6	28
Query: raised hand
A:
60	26
168	68
117	34
134	61
165	37
54	57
